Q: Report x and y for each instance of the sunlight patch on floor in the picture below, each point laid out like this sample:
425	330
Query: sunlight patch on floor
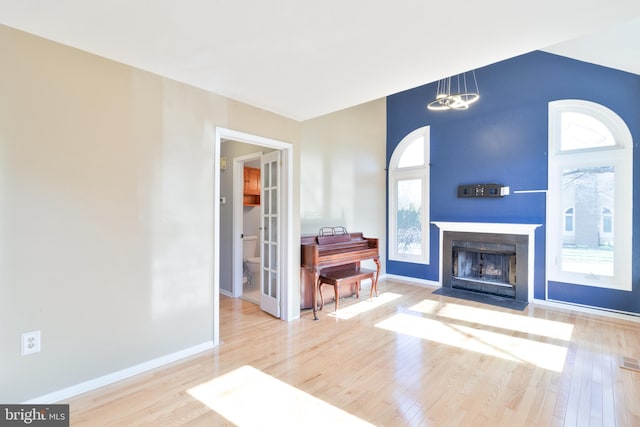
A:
248	397
363	306
544	355
499	319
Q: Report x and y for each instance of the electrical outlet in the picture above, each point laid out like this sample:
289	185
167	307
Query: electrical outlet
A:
30	342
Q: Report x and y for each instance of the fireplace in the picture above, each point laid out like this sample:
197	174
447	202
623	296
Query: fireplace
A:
484	267
494	259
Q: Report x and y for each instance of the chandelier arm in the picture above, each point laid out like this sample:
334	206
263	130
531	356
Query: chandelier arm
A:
445	100
475	82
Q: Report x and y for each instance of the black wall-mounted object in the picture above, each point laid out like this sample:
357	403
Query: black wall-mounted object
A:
480	190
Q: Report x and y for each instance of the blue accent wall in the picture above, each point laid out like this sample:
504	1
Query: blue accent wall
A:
503	139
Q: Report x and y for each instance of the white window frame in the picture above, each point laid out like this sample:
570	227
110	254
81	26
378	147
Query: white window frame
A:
621	157
421	173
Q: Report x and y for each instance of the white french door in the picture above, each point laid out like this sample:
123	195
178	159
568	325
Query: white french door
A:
269	233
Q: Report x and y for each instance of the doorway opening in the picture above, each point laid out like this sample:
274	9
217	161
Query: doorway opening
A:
281	264
246	275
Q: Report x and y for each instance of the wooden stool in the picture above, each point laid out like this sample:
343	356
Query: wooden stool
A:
338	277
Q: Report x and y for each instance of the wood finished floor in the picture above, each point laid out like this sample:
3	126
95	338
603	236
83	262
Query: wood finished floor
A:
410	358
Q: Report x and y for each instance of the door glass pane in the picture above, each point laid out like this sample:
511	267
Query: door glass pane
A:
274	285
265	281
413	155
274	174
273	257
266	270
266	205
266	175
588	249
266	261
274	229
409	227
274	199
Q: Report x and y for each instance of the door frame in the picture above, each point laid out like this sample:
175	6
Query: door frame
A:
286	209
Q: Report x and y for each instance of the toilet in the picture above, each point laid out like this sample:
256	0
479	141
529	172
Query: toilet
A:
250	261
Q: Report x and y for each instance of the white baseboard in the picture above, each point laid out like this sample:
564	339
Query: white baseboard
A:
560	305
69	392
567	306
226	293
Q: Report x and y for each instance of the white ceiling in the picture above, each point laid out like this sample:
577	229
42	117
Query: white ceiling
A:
617	46
303	59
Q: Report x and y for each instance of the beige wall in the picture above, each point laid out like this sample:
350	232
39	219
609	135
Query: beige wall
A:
106	212
106	207
343	180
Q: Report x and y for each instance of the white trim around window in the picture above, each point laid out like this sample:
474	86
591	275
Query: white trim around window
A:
410	243
576	268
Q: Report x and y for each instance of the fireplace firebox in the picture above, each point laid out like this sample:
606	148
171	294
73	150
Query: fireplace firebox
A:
484	267
489	263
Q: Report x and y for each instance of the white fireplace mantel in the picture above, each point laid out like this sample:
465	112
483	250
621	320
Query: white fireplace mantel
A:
495	228
487	227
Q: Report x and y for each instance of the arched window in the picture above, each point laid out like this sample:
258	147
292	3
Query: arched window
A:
582	131
409	199
568	220
590	169
606	224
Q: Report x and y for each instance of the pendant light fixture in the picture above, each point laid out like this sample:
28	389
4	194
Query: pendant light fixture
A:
453	93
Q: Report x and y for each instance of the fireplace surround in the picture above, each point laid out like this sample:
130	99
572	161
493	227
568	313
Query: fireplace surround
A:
491	258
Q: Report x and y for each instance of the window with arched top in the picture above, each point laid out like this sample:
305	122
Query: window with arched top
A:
568	220
409	199
590	170
606	221
581	131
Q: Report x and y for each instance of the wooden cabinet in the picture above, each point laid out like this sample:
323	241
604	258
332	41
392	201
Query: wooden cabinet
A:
251	186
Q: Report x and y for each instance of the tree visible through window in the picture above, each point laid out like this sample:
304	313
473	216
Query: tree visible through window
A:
588	188
408	200
409	211
590	167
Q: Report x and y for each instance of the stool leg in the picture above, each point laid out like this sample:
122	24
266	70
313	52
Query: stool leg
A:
374	285
321	297
337	291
